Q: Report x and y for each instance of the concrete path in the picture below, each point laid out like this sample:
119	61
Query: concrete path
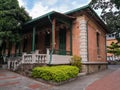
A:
12	81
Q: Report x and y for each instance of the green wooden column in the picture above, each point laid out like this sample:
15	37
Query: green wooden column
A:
33	39
53	39
70	38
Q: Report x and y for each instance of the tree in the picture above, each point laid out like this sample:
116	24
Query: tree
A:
114	49
110	14
12	17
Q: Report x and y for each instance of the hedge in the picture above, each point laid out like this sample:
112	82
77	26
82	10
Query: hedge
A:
55	73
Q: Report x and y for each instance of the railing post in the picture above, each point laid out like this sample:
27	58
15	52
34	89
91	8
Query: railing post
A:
8	64
14	65
33	57
48	54
23	58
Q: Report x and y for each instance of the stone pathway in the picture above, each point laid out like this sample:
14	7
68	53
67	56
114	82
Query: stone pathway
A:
13	81
109	82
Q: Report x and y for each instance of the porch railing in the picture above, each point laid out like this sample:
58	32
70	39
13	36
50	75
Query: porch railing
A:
62	52
113	58
15	62
33	58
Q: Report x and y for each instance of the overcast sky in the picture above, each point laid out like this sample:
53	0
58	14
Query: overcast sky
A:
37	8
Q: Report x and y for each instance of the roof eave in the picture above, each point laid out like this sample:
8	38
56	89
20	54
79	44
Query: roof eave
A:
88	7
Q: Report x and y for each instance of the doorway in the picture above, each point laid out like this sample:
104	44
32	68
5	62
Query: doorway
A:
62	41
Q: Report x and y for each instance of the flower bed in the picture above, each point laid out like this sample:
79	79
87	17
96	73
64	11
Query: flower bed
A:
55	73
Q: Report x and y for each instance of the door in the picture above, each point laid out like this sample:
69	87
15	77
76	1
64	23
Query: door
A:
62	42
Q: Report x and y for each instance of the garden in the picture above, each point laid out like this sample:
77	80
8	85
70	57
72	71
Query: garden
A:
58	73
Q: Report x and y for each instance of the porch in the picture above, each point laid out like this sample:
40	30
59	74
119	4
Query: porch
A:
37	59
45	40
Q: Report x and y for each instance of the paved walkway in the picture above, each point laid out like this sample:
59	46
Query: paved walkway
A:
12	81
109	82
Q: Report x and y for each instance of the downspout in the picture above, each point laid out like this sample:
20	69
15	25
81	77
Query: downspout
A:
87	39
71	39
106	50
52	39
87	46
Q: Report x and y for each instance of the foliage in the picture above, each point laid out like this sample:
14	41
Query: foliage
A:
110	14
76	61
55	73
12	18
114	48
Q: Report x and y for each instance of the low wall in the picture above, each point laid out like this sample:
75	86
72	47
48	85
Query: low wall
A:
60	59
25	69
91	67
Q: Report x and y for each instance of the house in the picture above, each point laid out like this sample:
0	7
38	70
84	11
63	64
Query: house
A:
54	37
111	39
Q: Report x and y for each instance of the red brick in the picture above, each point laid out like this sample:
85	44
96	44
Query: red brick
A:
34	86
2	75
109	82
8	77
9	83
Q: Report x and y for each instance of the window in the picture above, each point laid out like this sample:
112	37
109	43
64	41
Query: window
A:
98	43
36	41
97	36
25	42
47	40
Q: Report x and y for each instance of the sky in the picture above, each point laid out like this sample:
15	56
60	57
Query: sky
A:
36	8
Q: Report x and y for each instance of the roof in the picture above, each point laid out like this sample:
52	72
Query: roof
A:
51	15
67	16
76	10
94	14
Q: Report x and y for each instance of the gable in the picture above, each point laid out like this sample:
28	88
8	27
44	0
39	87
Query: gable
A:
90	13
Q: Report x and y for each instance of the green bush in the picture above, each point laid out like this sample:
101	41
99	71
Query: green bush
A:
76	61
55	73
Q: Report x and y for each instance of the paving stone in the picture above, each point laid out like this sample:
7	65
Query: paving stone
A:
13	81
109	82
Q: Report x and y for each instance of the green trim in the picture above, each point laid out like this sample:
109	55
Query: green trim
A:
33	40
78	9
62	41
71	39
53	34
47	15
52	12
53	38
35	19
70	12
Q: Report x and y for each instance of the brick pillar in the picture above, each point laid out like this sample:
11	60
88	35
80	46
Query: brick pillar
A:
83	41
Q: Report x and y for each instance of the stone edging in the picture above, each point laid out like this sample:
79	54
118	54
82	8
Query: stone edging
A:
94	63
60	83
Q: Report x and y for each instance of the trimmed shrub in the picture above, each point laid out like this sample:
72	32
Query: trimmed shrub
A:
55	73
76	61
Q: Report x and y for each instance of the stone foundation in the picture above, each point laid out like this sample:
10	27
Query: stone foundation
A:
91	67
25	69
